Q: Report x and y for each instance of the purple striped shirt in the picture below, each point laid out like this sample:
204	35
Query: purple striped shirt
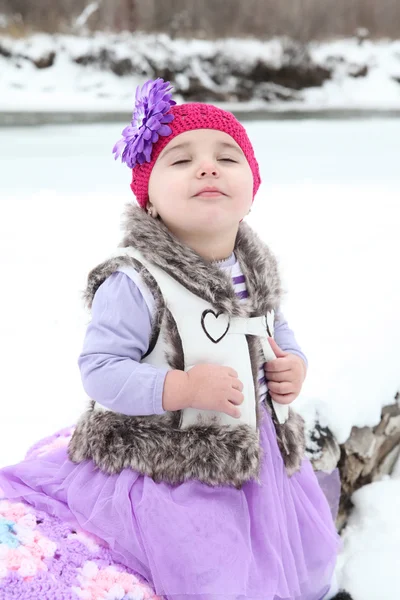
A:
239	284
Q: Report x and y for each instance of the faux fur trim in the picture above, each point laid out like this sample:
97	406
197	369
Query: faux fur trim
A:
291	441
211	454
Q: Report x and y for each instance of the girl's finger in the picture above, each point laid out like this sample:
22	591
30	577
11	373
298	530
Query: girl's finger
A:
283	398
280	376
286	387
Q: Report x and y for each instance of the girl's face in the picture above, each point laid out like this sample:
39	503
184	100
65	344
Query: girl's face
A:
192	162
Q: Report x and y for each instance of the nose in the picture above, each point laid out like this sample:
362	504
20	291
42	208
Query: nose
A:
208	169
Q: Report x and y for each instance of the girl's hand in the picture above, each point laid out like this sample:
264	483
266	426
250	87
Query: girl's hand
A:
204	386
212	387
285	375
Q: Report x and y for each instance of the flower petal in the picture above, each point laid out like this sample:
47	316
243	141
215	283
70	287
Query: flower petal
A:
147	134
118	148
167	118
147	152
161	106
164	130
140	144
129	131
153	122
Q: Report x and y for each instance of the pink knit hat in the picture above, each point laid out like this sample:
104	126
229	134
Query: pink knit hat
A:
157	120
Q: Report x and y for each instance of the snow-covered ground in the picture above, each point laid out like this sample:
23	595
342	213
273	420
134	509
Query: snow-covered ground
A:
379	89
67	86
369	565
329	208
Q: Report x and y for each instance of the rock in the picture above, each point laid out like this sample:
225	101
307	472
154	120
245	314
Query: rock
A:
368	454
290	76
244	90
167	72
105	60
358	70
122	67
197	90
4	52
296	71
323	449
44	62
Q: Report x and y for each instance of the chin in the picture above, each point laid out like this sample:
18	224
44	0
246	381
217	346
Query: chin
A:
216	215
213	223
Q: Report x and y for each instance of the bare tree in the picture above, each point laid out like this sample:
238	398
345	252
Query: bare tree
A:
300	19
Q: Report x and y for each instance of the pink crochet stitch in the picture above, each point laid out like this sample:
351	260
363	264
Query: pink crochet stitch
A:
42	558
187	118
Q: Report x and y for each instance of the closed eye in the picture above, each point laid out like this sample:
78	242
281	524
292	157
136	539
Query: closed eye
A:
186	160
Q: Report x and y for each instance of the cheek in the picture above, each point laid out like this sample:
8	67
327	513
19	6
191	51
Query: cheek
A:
160	187
244	186
165	184
174	189
167	192
172	185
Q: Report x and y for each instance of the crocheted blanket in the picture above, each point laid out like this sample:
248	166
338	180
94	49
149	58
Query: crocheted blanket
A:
42	558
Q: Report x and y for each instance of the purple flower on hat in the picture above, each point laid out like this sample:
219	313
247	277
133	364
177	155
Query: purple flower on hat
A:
149	121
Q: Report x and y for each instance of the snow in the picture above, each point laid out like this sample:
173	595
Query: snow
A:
329	209
378	89
369	564
67	86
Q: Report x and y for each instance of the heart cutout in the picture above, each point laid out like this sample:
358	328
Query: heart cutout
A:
214	328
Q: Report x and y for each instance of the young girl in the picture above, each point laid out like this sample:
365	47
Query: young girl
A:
187	464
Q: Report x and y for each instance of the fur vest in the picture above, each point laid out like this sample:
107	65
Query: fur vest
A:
216	452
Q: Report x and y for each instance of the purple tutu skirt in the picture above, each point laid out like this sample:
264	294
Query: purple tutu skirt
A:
271	541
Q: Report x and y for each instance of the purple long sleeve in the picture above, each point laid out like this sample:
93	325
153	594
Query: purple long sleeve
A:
116	339
285	338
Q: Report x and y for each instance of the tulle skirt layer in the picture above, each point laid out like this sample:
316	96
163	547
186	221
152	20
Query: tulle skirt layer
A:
271	541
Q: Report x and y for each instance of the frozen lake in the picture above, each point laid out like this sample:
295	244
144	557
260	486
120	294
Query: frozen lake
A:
69	158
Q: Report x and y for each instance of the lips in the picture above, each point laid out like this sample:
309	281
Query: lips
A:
210	191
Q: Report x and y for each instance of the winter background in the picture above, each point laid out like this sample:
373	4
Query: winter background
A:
329	207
